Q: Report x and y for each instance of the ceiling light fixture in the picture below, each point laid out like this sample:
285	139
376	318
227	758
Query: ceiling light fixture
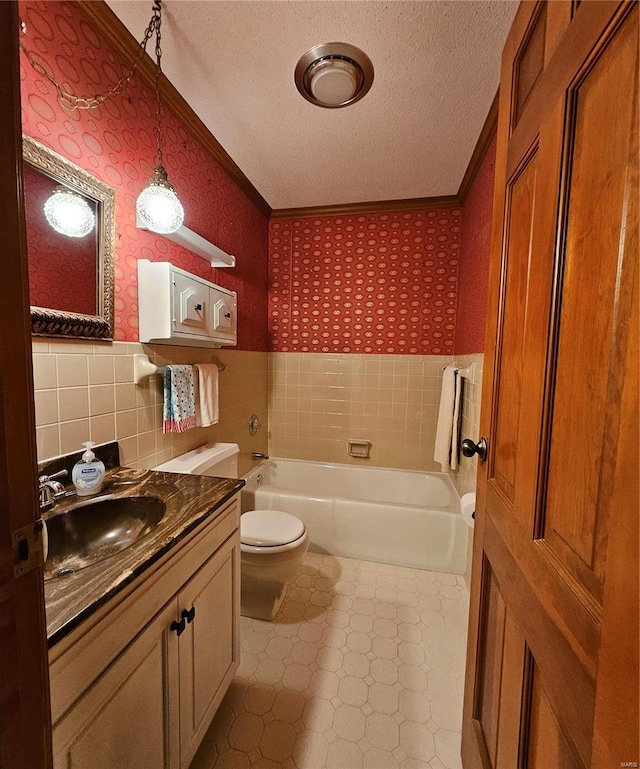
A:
69	213
334	75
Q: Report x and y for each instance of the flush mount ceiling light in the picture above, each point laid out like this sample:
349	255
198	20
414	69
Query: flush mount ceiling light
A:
69	213
334	75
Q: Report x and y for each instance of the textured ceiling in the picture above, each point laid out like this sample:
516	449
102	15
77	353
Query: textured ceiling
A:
436	72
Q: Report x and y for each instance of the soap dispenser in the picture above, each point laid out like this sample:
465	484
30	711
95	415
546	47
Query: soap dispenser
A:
88	473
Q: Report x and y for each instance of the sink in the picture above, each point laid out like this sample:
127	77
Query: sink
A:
95	529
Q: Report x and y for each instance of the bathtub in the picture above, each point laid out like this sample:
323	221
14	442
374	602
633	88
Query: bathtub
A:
398	517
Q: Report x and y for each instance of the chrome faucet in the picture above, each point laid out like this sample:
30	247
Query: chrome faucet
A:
258	455
50	489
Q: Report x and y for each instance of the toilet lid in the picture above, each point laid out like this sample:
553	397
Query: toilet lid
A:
266	528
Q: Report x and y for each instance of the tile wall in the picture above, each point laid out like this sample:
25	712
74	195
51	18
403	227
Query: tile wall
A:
317	402
465	477
85	391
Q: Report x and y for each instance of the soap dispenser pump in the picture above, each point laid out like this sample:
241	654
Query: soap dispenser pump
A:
88	473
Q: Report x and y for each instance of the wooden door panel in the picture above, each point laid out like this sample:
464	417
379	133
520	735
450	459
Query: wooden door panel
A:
569	686
529	62
521	195
594	310
544	744
549	580
491	657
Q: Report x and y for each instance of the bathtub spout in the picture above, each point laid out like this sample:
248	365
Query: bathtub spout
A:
258	455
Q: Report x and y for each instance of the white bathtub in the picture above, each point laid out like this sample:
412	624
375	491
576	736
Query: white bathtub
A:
390	516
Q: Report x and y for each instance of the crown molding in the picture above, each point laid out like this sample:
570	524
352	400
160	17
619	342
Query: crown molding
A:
370	207
105	21
480	150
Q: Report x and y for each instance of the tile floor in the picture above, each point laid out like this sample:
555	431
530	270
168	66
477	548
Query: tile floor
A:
362	668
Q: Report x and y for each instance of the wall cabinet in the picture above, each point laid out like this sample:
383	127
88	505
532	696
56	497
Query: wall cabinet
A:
149	703
176	307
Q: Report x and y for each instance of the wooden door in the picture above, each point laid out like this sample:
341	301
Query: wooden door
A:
552	668
210	646
128	718
25	731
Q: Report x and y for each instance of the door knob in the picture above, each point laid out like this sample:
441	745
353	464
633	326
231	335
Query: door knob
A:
469	448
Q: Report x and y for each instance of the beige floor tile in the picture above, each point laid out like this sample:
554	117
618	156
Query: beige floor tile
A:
361	669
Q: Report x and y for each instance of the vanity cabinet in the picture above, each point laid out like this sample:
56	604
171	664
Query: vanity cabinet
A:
141	686
176	307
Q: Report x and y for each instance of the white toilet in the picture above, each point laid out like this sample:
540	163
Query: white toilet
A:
272	543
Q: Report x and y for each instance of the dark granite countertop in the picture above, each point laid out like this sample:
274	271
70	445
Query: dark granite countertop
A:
189	500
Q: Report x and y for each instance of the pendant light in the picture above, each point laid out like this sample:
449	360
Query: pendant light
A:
69	213
158	206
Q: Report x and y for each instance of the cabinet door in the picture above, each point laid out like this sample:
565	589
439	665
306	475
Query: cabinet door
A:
223	314
209	647
190	305
128	719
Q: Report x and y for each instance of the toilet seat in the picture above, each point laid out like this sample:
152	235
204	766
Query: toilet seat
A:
267	529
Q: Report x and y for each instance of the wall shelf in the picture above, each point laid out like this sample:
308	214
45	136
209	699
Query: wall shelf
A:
198	245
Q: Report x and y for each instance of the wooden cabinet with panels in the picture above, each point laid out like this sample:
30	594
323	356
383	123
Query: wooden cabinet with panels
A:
142	684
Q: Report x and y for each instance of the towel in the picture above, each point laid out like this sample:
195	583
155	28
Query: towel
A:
446	447
179	402
205	377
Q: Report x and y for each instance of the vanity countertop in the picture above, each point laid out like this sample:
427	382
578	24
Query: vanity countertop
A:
189	500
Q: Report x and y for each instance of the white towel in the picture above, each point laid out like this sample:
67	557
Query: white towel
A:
206	394
448	419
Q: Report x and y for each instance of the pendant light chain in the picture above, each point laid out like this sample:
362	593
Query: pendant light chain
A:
157	21
71	101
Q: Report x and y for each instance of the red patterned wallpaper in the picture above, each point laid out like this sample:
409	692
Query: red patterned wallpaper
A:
365	283
473	272
116	143
62	270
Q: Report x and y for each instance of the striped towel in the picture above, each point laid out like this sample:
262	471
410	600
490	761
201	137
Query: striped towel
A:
179	401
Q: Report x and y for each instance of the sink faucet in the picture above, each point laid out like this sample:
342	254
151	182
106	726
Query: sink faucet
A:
259	455
50	489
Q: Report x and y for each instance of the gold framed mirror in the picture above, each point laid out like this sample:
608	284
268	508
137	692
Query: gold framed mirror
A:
70	245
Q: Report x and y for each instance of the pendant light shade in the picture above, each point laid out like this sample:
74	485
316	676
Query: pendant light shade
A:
158	206
69	213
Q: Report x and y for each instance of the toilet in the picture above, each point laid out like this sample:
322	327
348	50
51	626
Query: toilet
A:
272	543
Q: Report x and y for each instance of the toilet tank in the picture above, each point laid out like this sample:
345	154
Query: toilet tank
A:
219	460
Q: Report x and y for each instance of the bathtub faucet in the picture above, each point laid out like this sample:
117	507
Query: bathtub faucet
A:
258	455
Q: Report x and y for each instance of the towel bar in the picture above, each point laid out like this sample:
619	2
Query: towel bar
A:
470	373
143	367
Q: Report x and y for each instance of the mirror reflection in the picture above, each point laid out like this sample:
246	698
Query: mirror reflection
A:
62	245
70	246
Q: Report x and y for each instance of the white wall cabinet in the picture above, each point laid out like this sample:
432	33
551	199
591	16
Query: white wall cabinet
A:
176	307
125	697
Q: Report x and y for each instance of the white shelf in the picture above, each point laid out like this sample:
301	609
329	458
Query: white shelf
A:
198	245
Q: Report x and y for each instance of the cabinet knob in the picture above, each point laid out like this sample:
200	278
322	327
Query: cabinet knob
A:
199	307
179	627
227	315
188	614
